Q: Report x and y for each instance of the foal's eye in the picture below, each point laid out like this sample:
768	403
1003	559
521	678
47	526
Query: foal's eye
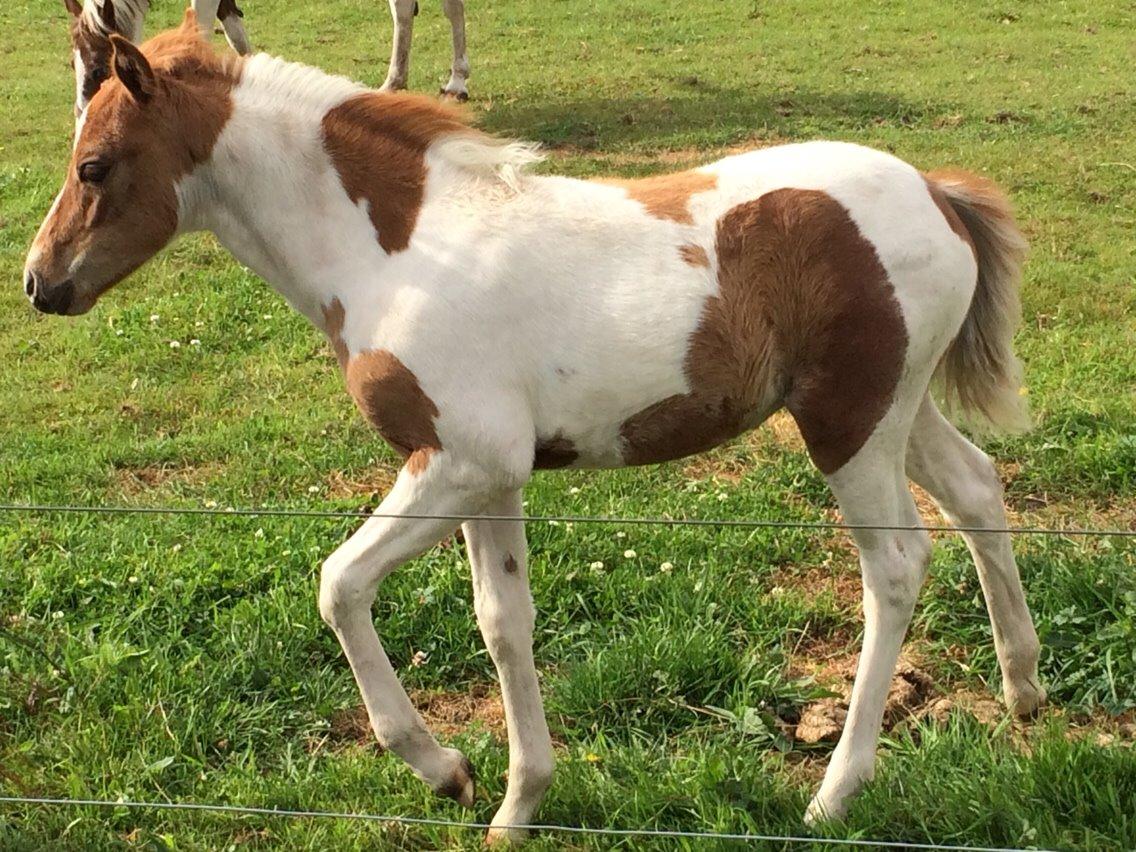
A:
97	75
93	171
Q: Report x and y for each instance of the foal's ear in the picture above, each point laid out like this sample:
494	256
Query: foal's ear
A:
133	69
74	8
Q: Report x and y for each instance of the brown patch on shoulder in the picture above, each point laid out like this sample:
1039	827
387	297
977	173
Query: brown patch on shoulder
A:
668	196
377	142
554	452
510	564
949	212
388	394
694	255
805	316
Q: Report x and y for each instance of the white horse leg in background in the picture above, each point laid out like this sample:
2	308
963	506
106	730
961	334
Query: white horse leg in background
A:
230	17
459	71
403	12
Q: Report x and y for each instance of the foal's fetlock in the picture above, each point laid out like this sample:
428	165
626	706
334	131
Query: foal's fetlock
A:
1024	698
460	784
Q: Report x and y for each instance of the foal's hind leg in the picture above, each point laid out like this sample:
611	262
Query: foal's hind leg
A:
872	489
348	583
964	483
505	615
459	71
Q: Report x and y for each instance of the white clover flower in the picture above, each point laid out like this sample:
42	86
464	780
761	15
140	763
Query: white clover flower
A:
313	489
132	579
195	342
723	496
621	534
57	615
154	317
118	332
419	658
210	504
176	548
666	567
259	533
629	554
573	490
175	344
596	566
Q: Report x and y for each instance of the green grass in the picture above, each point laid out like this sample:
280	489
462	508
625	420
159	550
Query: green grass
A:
188	660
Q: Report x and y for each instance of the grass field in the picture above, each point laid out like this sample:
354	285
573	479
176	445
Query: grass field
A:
183	658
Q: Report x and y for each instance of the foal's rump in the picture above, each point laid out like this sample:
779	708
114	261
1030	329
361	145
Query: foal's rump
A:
836	274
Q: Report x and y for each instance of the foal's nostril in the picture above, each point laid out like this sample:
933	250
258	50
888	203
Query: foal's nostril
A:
29	283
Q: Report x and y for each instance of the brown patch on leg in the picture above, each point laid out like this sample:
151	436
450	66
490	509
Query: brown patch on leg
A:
554	452
667	196
694	255
510	564
388	395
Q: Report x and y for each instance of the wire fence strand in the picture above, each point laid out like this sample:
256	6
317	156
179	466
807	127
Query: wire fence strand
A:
481	826
614	520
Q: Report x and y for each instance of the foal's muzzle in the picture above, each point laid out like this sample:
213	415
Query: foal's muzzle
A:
48	298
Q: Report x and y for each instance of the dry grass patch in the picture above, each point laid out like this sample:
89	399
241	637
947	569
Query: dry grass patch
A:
374	482
132	481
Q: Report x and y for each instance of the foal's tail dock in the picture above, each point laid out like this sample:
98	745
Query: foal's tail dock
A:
979	372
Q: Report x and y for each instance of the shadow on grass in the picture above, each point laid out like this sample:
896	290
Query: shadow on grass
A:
701	112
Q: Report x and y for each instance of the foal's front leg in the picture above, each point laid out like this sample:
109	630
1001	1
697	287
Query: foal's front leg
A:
348	584
505	615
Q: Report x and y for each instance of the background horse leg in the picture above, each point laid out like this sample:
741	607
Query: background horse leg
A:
963	481
348	583
459	71
497	554
402	11
230	17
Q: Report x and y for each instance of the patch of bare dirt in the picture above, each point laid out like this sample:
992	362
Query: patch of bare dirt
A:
136	480
445	714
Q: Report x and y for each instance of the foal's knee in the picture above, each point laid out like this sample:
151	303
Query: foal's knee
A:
342	590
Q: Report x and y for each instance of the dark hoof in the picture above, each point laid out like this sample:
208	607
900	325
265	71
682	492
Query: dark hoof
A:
460	786
460	97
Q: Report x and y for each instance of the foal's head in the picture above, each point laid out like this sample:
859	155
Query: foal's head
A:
153	120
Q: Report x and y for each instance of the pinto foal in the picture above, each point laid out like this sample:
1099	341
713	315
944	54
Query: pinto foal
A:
489	322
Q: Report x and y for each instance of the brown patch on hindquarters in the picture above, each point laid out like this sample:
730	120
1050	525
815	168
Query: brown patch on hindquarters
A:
388	394
694	255
839	331
667	196
377	142
804	315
